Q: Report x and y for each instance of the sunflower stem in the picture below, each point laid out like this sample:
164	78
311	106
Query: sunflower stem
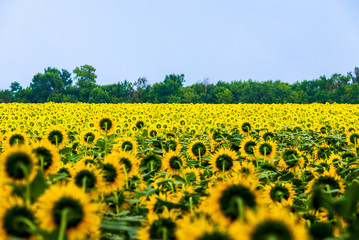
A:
151	164
184	175
126	177
239	202
191	204
223	168
164	233
84	184
27	187
56	141
41	163
117	207
63	224
29	223
199	157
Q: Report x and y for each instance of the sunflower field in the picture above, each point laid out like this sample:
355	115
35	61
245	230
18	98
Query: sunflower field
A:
79	171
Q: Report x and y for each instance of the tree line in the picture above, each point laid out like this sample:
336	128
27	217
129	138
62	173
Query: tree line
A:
80	86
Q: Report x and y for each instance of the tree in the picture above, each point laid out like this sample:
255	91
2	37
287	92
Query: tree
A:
86	81
43	84
15	87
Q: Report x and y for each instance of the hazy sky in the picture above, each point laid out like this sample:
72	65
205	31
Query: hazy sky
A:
220	40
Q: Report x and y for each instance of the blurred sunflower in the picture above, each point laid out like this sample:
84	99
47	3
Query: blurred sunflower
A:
69	206
247	147
224	161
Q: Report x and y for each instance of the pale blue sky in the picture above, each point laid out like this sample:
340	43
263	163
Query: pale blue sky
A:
220	40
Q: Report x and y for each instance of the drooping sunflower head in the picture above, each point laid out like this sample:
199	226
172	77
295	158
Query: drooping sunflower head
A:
151	162
266	224
128	161
197	149
173	162
14	138
112	174
268	135
69	202
127	144
56	135
105	124
229	199
266	150
279	194
89	137
353	138
87	177
247	147
48	158
291	158
245	128
172	144
18	164
15	216
224	160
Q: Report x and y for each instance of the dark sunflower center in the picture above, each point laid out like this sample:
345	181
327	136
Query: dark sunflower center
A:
291	157
216	135
46	156
249	147
127	163
231	199
265	149
139	124
279	192
170	145
75	212
153	133
224	162
183	122
151	161
12	223
272	230
163	227
110	172
105	124
199	148
348	155
16	139
90	179
175	162
127	146
324	181
268	136
214	236
246	127
55	136
16	164
89	137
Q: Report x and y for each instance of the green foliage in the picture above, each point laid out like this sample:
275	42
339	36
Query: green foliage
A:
56	86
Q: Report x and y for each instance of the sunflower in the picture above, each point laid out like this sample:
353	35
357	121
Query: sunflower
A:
105	124
151	162
264	223
160	226
268	135
197	149
328	180
14	138
56	135
279	194
246	169
87	177
113	174
229	199
201	228
336	160
17	220
152	132
224	161
128	160
265	150
18	165
352	138
48	158
68	205
291	158
322	152
247	147
172	144
173	162
245	128
127	144
89	137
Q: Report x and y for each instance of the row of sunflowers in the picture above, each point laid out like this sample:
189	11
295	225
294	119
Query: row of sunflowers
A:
177	171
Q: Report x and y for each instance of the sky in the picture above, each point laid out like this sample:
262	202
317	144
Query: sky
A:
224	40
